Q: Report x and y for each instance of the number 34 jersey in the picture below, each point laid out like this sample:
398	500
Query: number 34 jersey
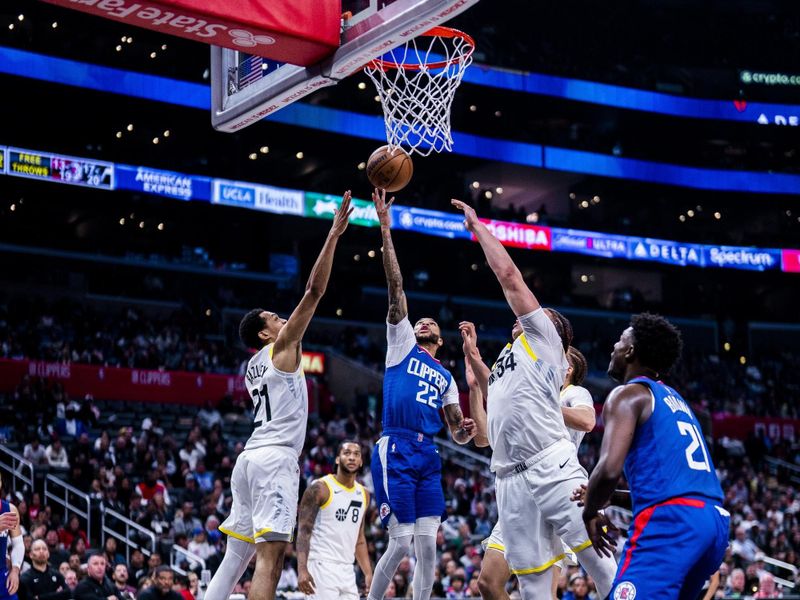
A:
668	457
280	403
339	521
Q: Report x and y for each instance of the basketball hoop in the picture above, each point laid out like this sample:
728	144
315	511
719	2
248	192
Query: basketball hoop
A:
416	83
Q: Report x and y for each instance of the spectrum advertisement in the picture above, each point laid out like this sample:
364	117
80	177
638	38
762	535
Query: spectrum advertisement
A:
34	164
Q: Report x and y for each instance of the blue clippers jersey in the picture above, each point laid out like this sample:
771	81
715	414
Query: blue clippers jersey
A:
668	457
4	508
413	391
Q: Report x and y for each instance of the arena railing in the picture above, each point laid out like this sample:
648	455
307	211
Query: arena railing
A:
175	560
776	465
67	496
109	517
15	464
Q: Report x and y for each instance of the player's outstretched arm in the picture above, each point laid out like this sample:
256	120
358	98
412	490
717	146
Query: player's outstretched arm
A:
398	307
476	407
315	496
469	345
362	553
286	353
621	414
520	298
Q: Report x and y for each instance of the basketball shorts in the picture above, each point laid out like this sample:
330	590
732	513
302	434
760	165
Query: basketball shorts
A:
407	474
264	486
687	535
536	512
558	548
333	581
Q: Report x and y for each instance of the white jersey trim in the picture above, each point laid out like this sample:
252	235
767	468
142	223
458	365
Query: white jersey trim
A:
401	340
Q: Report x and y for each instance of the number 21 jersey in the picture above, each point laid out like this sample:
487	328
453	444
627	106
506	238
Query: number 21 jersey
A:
668	457
280	403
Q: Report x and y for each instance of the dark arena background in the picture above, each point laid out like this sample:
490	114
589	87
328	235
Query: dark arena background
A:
632	156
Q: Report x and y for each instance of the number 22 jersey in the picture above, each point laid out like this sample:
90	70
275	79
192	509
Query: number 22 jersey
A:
668	457
280	403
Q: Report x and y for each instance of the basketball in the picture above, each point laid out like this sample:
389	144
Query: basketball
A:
390	170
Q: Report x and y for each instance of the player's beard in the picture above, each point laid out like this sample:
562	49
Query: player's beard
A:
348	471
427	338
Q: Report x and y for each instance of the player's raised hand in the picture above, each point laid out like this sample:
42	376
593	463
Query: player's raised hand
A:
469	337
342	216
382	207
305	582
599	529
579	495
8	520
470	217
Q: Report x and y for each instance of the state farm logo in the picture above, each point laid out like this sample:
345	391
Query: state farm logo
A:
245	39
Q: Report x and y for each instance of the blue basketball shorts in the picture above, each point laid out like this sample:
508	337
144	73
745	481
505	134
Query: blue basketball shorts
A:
407	474
673	548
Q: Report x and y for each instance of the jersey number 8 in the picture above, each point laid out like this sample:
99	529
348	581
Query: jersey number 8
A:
259	397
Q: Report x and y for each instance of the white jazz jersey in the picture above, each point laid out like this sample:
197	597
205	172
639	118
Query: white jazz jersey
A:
523	408
280	403
572	396
339	521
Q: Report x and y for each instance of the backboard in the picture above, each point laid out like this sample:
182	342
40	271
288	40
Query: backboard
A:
246	88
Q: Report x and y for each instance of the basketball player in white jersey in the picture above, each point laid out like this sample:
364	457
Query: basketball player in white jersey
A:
577	407
533	459
266	476
330	531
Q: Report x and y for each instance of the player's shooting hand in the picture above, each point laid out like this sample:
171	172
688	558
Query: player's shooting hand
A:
470	217
469	337
382	207
12	581
599	529
305	582
8	520
579	495
342	216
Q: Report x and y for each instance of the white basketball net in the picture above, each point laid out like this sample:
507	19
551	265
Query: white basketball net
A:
416	83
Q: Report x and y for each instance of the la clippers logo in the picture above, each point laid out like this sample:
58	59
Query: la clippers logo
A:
625	591
385	510
245	39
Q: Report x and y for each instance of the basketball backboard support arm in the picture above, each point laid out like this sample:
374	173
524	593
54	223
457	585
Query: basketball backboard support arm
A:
370	34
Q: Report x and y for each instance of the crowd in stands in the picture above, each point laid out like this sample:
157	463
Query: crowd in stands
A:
176	484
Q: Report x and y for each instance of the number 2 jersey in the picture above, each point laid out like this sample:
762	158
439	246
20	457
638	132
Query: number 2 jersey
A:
280	403
415	385
668	457
524	406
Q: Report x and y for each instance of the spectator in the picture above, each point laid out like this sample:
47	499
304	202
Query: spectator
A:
151	486
162	587
192	492
766	587
137	565
41	581
736	584
35	452
71	531
78	548
743	547
182	587
209	416
456	591
191	452
113	558
57	455
71	580
578	588
199	544
185	522
75	565
120	580
205	479
56	551
96	586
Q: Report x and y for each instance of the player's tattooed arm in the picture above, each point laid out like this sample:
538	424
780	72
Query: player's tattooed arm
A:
315	496
462	430
398	307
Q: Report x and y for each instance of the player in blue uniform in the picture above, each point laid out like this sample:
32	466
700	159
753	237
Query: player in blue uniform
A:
680	530
10	536
406	468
